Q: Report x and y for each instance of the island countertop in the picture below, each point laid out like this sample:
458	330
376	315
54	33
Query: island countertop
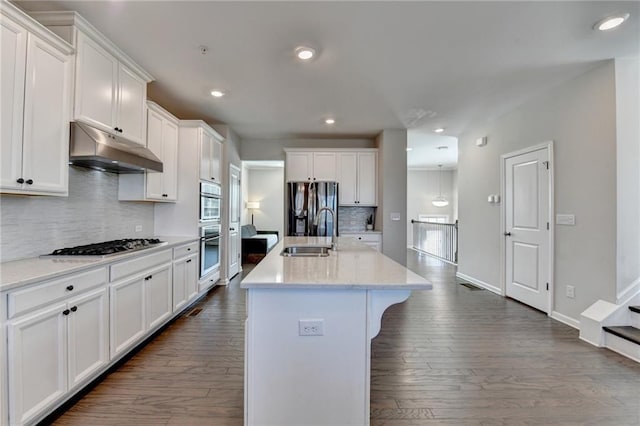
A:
352	266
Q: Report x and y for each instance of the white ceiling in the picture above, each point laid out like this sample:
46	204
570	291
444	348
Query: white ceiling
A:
425	153
417	65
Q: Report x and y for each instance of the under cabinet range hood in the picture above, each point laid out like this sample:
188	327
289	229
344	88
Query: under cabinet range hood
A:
100	150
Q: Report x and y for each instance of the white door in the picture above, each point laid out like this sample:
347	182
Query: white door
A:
206	150
132	97
347	178
154	143
367	179
170	160
158	292
324	166
299	165
234	220
527	220
216	161
127	324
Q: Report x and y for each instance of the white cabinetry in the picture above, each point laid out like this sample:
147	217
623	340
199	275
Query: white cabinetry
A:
210	156
185	275
358	178
371	239
162	140
311	166
36	94
110	88
141	298
56	340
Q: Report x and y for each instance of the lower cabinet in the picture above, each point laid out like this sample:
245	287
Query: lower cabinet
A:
371	239
52	350
158	292
185	281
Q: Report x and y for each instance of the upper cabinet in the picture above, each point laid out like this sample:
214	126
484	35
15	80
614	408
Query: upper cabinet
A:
110	89
35	77
210	155
358	178
311	166
162	140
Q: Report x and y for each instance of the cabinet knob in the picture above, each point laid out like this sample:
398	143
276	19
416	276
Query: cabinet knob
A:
66	312
213	178
69	288
148	278
507	234
308	178
20	180
232	229
359	238
189	249
29	182
74	308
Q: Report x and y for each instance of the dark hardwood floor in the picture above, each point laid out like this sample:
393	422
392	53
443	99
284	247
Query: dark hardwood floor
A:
451	356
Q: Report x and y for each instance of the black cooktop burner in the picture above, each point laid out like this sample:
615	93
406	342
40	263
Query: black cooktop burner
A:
108	247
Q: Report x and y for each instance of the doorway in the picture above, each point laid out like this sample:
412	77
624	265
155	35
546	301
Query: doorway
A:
234	220
527	217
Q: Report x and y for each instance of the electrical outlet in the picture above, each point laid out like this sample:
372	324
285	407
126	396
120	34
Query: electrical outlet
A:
311	327
571	291
138	228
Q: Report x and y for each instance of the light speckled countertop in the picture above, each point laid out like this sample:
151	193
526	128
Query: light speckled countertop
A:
27	271
352	266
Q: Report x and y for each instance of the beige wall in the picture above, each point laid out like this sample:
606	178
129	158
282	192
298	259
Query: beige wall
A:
266	186
579	117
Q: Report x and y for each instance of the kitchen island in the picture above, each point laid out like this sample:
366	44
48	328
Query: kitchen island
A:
310	322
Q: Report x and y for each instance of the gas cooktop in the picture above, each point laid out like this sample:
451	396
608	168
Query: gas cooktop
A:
106	249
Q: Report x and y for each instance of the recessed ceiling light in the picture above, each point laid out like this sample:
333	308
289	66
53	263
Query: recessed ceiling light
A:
305	53
611	22
409	149
217	93
439	130
330	121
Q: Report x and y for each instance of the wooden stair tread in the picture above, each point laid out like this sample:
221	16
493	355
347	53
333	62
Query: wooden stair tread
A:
627	332
634	309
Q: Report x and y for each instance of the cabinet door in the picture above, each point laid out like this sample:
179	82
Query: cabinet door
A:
347	178
158	294
192	275
179	284
46	118
96	78
155	124
131	113
367	179
127	323
170	160
216	161
13	52
324	166
206	149
37	348
88	335
299	166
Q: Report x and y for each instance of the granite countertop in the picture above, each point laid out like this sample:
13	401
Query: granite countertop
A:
18	273
353	266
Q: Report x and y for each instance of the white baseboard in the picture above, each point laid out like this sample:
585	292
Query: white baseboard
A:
631	290
479	283
571	322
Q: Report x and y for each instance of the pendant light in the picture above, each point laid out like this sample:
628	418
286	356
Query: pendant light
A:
440	201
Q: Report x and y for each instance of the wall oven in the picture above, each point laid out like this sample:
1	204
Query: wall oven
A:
209	248
210	203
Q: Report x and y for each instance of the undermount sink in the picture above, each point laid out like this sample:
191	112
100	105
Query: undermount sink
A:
307	251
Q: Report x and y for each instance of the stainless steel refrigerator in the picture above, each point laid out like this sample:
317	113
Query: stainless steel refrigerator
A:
304	199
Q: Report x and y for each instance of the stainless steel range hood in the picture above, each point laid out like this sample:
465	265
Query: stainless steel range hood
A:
97	149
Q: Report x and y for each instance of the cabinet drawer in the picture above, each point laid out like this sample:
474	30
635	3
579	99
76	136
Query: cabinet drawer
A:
185	250
365	237
21	301
139	264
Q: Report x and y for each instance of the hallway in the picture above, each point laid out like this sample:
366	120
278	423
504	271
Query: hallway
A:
451	356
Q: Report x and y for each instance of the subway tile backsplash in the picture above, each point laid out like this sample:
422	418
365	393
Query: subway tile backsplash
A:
354	219
31	226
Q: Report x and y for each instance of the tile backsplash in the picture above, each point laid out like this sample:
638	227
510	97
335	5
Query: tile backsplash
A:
31	226
354	219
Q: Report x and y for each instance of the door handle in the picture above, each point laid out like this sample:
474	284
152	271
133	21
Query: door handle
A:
507	234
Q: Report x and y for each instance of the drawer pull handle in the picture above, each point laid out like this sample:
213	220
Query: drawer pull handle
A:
74	308
69	288
189	261
148	278
66	312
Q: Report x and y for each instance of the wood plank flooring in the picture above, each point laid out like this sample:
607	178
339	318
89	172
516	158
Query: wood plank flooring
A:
451	356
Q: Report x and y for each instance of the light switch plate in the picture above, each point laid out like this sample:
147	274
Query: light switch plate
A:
566	219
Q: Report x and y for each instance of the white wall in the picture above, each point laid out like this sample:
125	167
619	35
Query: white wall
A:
31	226
392	197
627	72
422	188
266	186
580	117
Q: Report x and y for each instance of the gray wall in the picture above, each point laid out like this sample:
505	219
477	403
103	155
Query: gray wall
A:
627	73
31	226
273	149
266	186
392	198
422	188
579	117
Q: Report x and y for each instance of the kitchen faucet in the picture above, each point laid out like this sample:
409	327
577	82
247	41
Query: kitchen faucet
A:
334	242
